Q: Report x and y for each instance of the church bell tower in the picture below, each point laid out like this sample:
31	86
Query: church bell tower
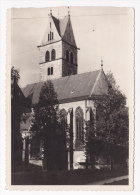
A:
58	50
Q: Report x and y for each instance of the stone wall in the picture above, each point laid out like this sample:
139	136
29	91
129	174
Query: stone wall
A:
67	65
70	48
57	70
56	64
60	65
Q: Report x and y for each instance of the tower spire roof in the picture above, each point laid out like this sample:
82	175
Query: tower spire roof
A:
61	26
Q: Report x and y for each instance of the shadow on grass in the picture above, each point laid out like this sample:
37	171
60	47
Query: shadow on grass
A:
74	177
22	167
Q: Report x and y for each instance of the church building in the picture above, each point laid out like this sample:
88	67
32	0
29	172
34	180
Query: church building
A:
76	92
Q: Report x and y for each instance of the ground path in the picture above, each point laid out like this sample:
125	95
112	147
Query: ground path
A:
102	182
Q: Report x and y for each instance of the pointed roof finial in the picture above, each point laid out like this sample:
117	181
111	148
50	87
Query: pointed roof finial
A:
68	11
101	64
50	12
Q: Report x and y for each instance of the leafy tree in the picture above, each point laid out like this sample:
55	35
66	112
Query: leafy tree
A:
15	74
45	124
15	98
111	125
16	111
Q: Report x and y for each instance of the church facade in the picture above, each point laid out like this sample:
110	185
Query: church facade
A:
76	92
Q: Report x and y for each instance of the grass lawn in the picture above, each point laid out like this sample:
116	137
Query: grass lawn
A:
75	177
121	182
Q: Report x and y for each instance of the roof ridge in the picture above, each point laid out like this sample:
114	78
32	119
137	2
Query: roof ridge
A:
61	78
72	75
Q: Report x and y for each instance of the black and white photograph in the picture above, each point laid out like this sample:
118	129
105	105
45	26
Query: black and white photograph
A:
71	97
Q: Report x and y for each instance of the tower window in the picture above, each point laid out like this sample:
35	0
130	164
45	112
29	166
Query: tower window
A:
50	24
71	57
53	54
48	37
51	70
67	55
48	71
47	57
52	35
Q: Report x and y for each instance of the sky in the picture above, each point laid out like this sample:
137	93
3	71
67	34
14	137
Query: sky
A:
112	41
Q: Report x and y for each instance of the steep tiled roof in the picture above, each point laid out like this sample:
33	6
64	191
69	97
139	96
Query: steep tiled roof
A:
60	25
63	25
56	22
71	88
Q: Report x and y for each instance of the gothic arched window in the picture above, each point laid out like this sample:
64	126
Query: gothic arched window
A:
79	123
52	35
47	57
67	55
71	57
48	37
53	54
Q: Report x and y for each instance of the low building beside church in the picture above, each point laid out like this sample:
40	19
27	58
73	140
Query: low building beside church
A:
76	92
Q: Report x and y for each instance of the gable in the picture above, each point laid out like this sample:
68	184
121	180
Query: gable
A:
52	26
101	85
